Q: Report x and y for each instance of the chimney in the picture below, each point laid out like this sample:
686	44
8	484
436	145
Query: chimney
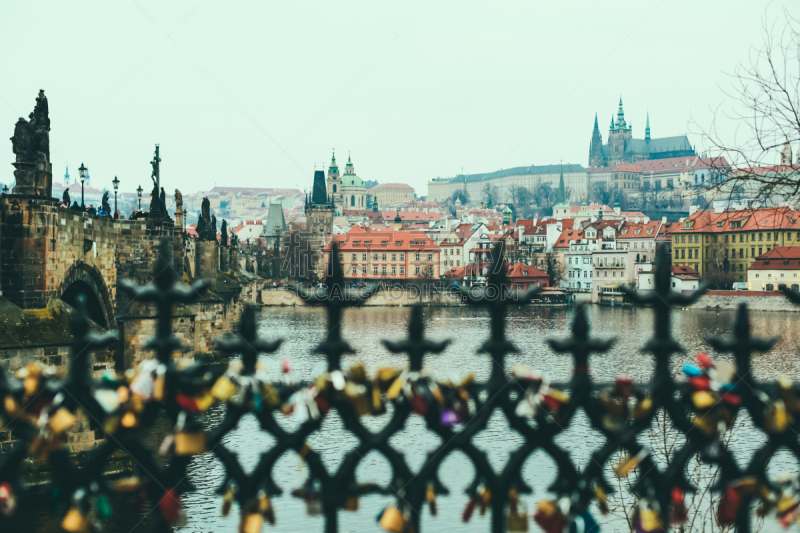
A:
692	210
663	220
719	209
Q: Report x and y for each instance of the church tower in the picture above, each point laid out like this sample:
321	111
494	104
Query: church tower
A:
334	182
786	154
596	147
618	138
319	208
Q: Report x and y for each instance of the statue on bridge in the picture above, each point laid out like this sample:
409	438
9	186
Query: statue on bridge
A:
104	204
31	145
207	223
65	199
223	239
155	203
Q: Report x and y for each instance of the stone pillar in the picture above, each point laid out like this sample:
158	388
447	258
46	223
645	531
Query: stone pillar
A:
224	258
28	256
206	256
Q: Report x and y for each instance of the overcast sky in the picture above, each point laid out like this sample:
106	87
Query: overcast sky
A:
255	93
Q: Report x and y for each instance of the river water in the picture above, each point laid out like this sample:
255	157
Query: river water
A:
528	328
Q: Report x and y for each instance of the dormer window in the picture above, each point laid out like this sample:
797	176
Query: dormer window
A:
398	243
341	243
384	243
367	243
355	243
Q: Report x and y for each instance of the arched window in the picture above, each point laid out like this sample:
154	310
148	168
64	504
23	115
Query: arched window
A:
770	287
352	201
334	187
795	287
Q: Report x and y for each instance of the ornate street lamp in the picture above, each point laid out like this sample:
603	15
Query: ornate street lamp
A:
116	188
82	172
139	192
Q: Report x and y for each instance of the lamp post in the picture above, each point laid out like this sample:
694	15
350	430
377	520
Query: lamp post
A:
116	188
82	172
139	192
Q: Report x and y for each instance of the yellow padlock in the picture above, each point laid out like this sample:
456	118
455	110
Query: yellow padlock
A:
703	399
393	520
75	522
223	389
251	523
351	504
190	443
61	420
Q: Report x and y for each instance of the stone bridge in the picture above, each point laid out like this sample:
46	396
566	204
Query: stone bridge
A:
50	252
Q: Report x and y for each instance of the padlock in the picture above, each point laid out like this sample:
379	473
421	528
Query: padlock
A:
549	517
776	419
703	399
678	512
397	386
469	509
392	520
265	507
602	499
351	504
642	408
8	500
223	389
103	506
648	520
61	420
450	417
75	521
159	386
356	395
729	505
704	360
627	465
485	498
517	521
227	500
171	507
584	523
251	523
129	420
430	498
190	442
707	423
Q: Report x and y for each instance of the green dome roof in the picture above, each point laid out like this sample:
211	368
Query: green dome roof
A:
507	210
351	180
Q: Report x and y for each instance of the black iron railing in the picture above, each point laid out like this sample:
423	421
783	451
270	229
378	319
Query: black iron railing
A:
40	409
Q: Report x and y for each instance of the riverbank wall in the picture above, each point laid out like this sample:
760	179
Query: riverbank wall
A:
396	297
756	301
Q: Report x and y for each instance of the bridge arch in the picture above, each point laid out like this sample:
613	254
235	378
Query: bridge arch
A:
85	279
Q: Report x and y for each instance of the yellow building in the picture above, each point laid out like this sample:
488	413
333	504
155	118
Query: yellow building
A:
392	193
732	240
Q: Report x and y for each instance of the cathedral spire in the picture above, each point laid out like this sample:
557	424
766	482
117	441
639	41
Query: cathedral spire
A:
647	128
621	116
562	193
612	122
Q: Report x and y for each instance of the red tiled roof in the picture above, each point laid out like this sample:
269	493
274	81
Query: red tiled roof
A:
768	219
779	258
640	230
395	241
518	271
626	167
567	236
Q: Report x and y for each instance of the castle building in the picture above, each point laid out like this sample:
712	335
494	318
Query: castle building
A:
623	148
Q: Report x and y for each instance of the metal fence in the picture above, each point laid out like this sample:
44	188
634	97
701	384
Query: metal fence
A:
41	408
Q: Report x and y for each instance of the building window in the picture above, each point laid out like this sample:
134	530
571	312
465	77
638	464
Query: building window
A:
416	258
383	270
416	270
363	257
402	270
364	270
383	257
394	270
355	257
374	257
341	257
430	257
402	257
394	257
374	270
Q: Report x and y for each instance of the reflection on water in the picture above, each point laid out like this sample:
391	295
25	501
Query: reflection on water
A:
302	329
